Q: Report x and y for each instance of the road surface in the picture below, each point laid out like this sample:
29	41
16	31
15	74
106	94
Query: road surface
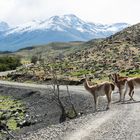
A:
121	122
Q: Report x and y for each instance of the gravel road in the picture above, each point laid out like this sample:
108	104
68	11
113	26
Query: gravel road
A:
41	86
6	72
121	122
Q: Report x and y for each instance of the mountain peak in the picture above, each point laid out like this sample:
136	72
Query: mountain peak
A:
55	29
62	18
54	18
70	15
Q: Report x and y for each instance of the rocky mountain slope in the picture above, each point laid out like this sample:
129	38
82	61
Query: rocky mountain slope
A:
117	53
97	58
55	29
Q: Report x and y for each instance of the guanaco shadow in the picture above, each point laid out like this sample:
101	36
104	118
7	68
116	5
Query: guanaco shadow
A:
101	110
130	102
115	102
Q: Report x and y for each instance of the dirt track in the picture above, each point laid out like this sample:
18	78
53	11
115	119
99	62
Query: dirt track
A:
121	122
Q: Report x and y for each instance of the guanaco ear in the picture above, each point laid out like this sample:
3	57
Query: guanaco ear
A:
85	76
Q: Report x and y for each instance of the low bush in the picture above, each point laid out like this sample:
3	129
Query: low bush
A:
9	63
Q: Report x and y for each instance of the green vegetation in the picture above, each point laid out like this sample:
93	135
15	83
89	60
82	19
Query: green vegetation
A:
71	113
80	73
9	63
131	73
12	113
34	59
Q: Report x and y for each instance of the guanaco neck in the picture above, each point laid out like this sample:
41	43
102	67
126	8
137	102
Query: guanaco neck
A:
87	86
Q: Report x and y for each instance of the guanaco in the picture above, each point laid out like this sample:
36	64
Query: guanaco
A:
101	89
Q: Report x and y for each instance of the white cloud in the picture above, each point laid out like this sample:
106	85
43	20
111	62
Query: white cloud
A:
104	11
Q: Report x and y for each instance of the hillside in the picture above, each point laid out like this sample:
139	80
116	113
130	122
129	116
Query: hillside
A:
54	49
117	53
97	58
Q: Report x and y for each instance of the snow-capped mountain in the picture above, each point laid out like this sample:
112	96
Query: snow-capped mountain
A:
55	29
3	26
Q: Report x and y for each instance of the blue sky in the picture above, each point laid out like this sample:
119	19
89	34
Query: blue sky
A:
99	11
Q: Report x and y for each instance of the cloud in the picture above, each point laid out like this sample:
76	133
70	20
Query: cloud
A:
104	11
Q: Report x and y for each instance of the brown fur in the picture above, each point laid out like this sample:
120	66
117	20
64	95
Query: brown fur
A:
120	82
102	89
121	77
131	84
112	86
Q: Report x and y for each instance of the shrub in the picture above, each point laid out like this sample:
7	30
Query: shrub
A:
34	59
9	63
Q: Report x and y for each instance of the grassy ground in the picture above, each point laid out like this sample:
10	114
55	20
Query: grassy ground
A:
12	113
131	73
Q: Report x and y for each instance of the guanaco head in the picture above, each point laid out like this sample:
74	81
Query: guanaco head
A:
119	81
87	81
113	78
83	80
